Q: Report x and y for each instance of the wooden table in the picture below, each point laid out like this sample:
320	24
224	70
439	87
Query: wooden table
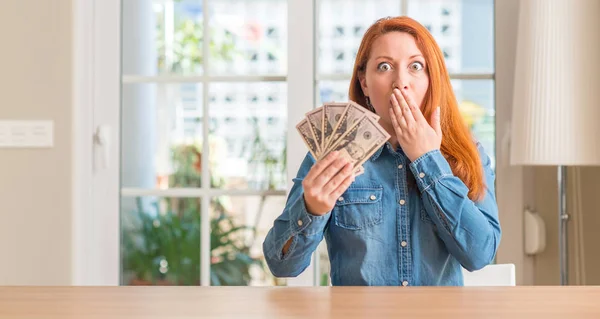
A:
305	302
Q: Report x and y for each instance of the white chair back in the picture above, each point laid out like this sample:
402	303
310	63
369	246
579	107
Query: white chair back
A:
491	275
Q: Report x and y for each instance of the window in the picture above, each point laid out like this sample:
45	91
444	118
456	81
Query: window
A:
203	144
205	118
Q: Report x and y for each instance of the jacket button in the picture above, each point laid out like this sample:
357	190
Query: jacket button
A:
373	197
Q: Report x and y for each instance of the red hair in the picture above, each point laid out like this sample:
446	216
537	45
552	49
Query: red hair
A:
458	146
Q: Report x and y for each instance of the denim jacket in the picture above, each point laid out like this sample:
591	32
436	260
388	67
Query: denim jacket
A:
399	223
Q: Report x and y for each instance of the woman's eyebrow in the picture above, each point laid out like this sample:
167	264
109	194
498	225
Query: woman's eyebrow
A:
390	58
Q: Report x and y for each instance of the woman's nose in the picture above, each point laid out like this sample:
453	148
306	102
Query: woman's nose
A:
401	82
399	86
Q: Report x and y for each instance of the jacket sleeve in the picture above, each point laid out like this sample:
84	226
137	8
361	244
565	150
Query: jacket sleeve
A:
295	222
470	230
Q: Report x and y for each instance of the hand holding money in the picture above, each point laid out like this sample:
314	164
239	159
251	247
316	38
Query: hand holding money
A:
326	181
348	128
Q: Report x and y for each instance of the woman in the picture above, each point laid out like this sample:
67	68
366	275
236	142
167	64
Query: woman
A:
425	204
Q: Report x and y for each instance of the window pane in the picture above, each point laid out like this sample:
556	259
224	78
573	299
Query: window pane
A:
324	265
160	241
162	37
476	102
248	124
339	37
332	91
161	135
464	30
250	37
239	226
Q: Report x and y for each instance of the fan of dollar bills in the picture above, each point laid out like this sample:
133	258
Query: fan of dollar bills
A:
348	128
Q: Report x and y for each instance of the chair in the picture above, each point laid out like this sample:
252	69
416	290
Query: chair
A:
491	275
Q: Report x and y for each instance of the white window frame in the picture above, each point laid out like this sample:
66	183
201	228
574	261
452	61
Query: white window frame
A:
96	71
96	101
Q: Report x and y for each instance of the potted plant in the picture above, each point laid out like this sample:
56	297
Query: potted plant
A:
165	250
162	245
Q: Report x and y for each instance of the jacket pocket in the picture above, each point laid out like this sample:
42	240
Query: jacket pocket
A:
359	208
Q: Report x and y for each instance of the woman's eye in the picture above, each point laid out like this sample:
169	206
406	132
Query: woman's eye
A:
416	66
384	66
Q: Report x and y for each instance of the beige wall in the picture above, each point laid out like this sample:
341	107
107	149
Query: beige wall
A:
520	187
590	198
35	184
546	203
511	181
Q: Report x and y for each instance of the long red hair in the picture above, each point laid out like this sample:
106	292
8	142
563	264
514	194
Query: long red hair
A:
458	146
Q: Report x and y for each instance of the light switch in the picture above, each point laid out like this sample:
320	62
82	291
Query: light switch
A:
26	134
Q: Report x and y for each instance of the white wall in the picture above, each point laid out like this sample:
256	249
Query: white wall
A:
35	184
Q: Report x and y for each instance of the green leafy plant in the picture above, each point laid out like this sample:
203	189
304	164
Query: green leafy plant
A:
231	259
162	249
162	244
165	250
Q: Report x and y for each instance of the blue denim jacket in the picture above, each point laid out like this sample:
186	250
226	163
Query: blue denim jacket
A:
387	231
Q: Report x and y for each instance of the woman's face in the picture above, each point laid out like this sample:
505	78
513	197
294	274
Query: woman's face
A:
394	61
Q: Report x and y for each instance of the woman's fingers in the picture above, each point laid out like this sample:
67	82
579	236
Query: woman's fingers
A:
333	183
414	108
320	166
397	128
329	172
342	187
406	112
399	117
